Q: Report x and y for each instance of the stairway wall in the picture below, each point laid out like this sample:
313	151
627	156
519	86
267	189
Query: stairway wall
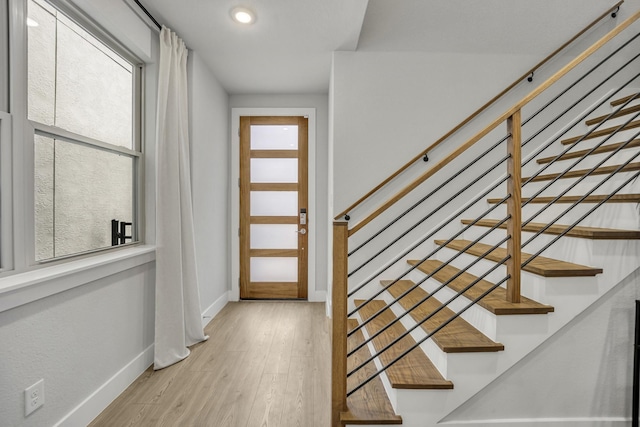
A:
592	356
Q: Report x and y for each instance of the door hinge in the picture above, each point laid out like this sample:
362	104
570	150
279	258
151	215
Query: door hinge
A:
238	131
238	231
238	182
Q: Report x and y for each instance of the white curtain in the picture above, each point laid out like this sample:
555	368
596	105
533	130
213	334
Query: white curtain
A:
178	318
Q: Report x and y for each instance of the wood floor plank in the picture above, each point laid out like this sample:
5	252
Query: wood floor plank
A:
542	266
224	382
495	302
269	404
415	370
581	153
593	233
457	337
594	198
370	404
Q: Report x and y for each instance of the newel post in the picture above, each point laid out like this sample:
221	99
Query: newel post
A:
514	206
339	322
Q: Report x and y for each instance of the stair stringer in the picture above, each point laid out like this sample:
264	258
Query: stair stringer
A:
603	382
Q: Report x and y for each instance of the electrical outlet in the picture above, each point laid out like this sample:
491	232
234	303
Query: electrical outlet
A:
33	397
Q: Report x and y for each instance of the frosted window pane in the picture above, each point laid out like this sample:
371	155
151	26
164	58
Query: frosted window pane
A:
274	203
274	170
272	137
76	82
274	269
274	236
79	190
42	64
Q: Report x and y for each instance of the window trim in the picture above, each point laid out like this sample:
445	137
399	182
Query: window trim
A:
6	194
21	248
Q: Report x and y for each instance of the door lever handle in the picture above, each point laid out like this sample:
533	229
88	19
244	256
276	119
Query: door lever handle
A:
302	231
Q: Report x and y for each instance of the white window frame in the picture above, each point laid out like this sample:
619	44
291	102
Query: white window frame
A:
81	19
17	252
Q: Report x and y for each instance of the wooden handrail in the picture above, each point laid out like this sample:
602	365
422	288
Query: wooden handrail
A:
476	113
516	107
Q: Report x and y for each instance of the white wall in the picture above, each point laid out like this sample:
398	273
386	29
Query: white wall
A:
320	103
387	106
209	131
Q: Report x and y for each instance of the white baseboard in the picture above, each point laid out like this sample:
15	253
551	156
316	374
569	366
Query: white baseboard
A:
95	403
317	296
214	309
544	422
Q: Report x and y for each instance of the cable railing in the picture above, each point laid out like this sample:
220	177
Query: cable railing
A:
512	221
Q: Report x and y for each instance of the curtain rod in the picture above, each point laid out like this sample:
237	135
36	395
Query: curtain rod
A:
146	12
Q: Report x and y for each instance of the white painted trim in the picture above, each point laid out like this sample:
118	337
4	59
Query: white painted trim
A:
318	296
6	195
234	294
97	401
30	286
548	422
214	309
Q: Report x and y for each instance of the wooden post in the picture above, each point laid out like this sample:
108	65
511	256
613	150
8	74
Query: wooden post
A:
339	322
514	206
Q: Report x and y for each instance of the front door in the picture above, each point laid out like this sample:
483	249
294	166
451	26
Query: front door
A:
273	207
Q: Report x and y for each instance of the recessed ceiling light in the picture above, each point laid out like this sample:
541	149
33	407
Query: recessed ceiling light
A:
31	23
242	15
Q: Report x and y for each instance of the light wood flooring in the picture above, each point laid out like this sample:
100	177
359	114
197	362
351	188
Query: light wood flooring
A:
265	364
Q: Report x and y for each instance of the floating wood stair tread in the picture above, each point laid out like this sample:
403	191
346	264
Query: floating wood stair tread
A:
542	266
594	233
594	198
457	337
495	302
605	170
623	100
414	370
369	405
621	113
602	149
602	132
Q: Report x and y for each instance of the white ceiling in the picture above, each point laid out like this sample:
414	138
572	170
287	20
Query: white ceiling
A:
288	49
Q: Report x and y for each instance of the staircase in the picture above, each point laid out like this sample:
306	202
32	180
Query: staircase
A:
468	305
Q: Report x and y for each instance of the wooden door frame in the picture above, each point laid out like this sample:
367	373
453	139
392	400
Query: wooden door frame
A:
234	205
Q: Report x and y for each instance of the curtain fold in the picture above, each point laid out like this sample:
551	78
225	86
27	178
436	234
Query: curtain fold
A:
178	322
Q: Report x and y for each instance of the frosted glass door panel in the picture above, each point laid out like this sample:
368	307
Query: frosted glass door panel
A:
274	170
272	137
274	203
274	236
274	269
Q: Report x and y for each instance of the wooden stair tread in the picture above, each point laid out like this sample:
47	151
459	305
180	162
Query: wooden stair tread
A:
623	112
457	337
595	233
605	170
370	404
602	149
594	198
601	132
542	266
622	100
414	370
495	302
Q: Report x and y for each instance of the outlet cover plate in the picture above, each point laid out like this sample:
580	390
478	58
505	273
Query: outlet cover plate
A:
33	397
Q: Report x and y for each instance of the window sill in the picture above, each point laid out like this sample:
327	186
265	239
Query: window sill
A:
23	288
